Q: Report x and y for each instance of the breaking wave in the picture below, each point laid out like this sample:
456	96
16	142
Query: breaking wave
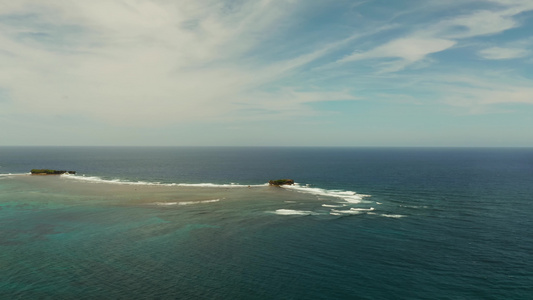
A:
351	211
11	174
186	202
392	216
287	212
347	196
96	179
333	205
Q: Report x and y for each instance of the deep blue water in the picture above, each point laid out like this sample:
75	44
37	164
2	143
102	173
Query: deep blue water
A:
445	223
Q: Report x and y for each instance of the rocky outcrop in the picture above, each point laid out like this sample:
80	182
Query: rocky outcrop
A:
50	172
281	182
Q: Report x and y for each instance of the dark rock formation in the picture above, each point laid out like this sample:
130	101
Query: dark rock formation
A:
50	172
281	182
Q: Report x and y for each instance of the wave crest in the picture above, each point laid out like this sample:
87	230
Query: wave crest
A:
288	212
185	202
347	196
96	179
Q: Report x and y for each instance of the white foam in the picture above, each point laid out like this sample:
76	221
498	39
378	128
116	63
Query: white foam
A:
362	209
16	174
186	202
287	212
165	203
331	205
231	185
348	196
96	179
414	206
392	216
337	212
198	202
351	211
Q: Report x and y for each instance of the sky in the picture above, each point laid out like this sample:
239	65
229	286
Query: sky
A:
407	73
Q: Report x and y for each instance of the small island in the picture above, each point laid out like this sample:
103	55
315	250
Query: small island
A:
281	182
50	172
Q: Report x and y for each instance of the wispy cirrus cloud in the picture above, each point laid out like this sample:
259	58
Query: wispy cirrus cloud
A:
408	50
503	53
157	64
147	61
444	34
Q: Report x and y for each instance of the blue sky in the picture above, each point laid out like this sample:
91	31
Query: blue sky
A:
267	73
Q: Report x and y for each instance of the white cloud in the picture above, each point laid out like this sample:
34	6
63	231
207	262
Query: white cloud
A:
481	22
503	53
408	50
143	62
476	94
163	62
445	34
475	24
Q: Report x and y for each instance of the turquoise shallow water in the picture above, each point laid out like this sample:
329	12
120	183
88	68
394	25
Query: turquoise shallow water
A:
438	224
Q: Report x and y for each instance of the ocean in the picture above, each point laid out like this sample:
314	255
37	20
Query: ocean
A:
202	223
